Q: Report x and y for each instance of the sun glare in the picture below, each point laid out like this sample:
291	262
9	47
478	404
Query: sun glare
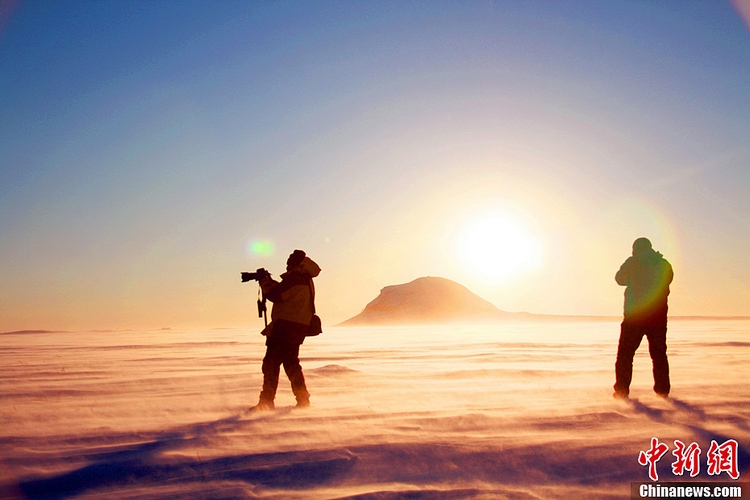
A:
497	247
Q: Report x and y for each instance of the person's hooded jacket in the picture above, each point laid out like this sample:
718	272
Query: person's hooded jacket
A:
293	299
647	276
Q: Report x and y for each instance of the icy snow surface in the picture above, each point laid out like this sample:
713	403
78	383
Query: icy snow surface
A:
510	410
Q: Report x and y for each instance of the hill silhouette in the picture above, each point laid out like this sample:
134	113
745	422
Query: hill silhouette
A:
426	300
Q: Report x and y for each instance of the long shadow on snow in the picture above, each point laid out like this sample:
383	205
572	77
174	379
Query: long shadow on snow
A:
144	464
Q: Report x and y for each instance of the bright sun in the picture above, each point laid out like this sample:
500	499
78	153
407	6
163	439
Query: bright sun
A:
498	247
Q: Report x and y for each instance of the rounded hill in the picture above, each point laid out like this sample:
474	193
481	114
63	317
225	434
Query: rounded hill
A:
425	300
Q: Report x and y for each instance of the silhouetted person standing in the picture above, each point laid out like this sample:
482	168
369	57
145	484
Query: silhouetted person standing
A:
293	308
646	276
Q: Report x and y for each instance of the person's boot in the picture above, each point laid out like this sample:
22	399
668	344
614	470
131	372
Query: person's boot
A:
620	393
303	401
264	404
299	388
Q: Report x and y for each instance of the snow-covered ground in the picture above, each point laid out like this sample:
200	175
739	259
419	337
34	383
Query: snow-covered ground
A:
510	410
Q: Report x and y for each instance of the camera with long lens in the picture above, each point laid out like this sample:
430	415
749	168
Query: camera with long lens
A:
256	276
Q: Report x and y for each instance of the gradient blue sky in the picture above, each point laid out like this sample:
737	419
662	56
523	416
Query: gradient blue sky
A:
145	145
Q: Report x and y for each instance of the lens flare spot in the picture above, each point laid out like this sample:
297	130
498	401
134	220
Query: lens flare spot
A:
263	248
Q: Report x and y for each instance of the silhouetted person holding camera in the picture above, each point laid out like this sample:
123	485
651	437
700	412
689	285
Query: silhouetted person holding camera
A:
646	276
293	309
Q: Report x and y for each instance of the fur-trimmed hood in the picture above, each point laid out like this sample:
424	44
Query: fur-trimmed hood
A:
308	266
